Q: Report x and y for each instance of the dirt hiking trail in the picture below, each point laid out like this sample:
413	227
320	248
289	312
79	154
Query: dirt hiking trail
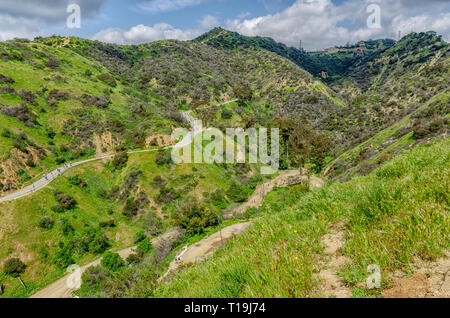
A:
332	285
61	289
206	247
284	179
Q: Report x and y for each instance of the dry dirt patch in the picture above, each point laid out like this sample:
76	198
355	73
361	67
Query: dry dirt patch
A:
430	280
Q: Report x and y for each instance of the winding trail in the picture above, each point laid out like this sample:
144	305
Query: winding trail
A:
284	179
205	247
62	287
48	178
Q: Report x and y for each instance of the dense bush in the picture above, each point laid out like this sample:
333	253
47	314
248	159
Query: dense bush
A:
14	267
22	113
120	160
46	222
163	157
65	202
151	223
158	181
237	192
101	102
130	209
167	195
112	261
6	79
195	217
107	79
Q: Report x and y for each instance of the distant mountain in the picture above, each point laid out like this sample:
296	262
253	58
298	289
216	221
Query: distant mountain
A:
331	64
224	39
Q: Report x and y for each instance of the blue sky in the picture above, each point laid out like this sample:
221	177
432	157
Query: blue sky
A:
318	23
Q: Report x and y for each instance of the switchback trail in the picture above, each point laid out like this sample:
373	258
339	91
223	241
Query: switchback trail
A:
205	247
48	178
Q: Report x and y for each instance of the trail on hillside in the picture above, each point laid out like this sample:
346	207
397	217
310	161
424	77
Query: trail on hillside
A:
284	179
61	289
332	285
206	247
48	178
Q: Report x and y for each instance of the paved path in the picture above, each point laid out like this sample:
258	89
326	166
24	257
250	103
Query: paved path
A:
48	178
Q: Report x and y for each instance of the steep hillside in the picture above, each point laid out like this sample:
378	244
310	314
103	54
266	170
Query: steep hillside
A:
338	62
394	218
396	98
67	99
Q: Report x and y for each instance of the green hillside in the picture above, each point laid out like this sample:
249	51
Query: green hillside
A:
340	114
391	217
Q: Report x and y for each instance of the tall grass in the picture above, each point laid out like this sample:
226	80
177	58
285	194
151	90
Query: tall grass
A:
392	217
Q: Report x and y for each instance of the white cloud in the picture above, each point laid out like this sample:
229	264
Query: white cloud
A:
155	6
29	18
320	23
48	10
424	22
142	34
209	22
11	27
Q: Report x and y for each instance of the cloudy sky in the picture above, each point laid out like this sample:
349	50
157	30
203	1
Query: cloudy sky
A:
317	23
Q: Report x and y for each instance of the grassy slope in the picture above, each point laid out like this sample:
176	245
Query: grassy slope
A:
390	217
388	141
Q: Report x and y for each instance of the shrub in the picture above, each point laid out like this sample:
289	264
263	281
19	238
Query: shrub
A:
14	267
66	227
218	199
163	157
101	102
133	259
46	222
237	192
76	181
6	79
22	113
120	160
107	79
65	201
195	217
158	181
130	209
27	96
167	195
63	257
109	223
151	223
94	240
52	63
144	247
226	114
139	237
112	261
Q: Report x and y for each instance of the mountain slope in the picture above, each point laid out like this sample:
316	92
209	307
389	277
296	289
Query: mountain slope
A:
282	254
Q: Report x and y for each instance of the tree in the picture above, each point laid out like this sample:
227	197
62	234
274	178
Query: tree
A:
112	261
195	217
14	267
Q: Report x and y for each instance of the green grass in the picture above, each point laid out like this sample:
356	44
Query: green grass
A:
390	217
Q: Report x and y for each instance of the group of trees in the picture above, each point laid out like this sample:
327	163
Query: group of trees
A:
303	145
